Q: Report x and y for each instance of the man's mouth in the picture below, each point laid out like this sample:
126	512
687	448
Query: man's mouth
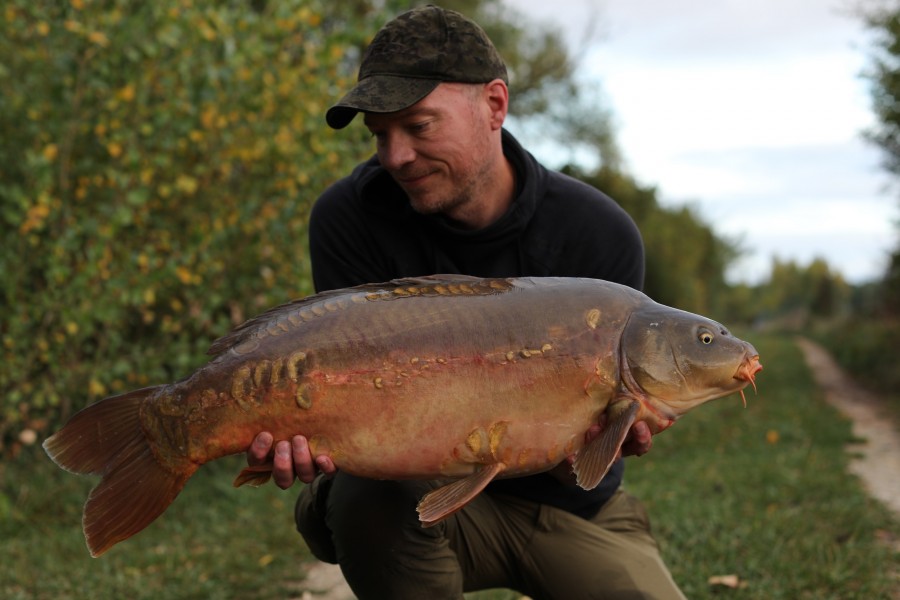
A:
413	179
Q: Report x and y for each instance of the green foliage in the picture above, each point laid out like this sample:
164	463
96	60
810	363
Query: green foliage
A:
866	348
883	19
813	290
157	163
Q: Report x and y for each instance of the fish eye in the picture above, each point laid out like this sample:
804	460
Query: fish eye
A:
705	337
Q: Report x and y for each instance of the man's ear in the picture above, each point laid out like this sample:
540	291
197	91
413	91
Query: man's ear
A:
497	95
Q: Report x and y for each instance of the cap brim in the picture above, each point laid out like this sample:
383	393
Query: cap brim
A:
379	94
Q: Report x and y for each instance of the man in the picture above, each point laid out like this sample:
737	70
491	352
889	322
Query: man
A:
449	191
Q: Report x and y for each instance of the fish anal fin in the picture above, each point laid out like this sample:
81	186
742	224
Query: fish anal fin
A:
594	460
254	476
439	504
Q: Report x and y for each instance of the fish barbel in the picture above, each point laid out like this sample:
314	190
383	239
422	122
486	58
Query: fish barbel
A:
435	377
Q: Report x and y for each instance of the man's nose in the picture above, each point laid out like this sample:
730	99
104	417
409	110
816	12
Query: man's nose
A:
396	151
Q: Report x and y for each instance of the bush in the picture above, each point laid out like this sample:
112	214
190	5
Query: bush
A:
867	349
157	164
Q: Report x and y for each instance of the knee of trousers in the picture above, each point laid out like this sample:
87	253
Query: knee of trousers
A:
359	511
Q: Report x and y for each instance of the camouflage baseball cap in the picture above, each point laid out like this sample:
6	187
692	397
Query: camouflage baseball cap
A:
411	55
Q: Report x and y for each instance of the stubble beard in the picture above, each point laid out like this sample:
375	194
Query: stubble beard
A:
452	202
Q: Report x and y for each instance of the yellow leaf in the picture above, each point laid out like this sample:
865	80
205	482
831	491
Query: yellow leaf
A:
95	388
78	4
186	184
114	149
72	327
99	38
43	28
50	152
265	559
126	93
184	275
772	436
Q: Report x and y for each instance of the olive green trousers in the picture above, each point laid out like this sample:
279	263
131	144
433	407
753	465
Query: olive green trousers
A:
371	529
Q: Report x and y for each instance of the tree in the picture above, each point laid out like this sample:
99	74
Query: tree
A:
883	19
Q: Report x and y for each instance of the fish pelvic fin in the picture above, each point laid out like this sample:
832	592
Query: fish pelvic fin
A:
254	476
439	504
106	439
594	460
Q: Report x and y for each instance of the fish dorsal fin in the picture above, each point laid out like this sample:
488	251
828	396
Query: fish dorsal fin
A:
594	460
274	320
444	501
288	316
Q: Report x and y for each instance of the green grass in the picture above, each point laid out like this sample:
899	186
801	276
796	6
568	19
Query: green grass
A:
215	541
760	492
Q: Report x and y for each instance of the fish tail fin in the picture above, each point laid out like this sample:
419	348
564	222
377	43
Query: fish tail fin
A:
106	439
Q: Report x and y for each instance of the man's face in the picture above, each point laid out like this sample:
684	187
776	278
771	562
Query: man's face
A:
439	149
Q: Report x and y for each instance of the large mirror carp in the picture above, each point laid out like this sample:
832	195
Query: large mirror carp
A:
436	377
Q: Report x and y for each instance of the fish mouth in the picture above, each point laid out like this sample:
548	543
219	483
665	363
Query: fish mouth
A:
747	372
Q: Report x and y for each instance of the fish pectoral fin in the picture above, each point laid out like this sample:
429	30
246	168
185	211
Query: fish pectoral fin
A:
439	504
254	476
594	460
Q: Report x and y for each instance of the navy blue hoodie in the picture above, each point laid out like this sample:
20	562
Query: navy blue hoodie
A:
363	230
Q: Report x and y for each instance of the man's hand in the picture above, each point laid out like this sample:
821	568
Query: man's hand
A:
638	442
290	459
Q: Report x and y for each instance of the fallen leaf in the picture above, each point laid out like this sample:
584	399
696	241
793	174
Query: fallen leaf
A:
731	581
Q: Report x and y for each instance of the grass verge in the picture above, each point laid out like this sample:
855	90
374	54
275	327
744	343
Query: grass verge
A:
761	493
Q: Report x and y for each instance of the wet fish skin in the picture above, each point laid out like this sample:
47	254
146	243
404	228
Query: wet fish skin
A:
446	376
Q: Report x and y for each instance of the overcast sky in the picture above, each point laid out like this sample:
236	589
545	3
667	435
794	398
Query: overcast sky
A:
752	111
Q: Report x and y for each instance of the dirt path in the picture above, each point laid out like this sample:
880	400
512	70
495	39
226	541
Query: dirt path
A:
876	458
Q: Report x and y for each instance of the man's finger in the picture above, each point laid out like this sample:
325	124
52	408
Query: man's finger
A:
303	462
283	465
259	450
